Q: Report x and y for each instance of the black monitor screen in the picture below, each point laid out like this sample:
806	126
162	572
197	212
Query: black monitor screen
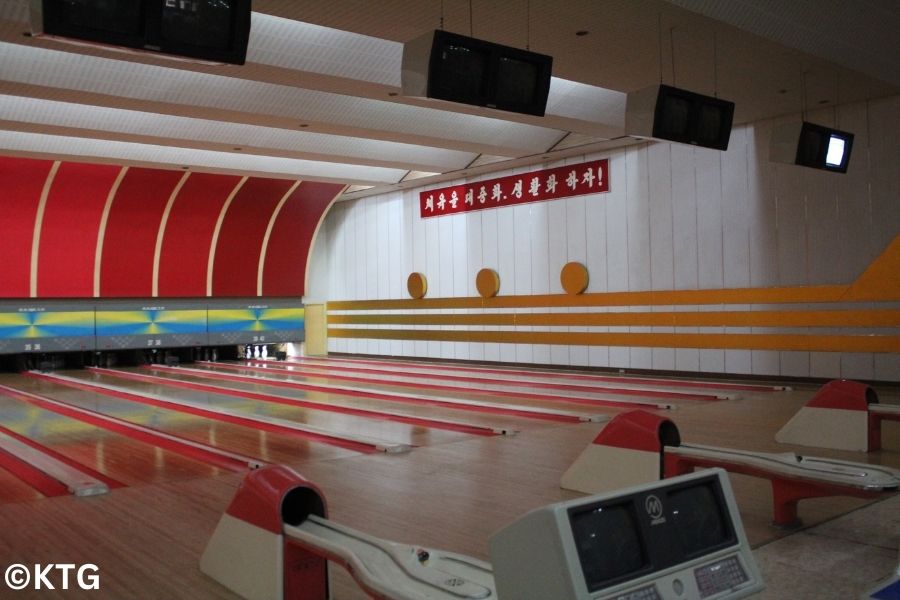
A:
63	17
517	81
203	23
609	544
674	118
460	72
699	519
710	120
810	148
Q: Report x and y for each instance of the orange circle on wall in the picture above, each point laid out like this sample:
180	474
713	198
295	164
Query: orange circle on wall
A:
574	278
416	285
487	282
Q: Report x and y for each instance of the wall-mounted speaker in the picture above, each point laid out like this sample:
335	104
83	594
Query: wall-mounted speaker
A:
457	68
207	30
676	115
810	145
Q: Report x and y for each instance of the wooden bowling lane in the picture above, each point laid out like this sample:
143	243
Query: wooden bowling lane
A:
313	401
266	446
625	398
112	455
338	424
13	489
543	373
527	383
538	407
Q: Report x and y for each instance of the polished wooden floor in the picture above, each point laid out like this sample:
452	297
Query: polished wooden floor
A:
452	491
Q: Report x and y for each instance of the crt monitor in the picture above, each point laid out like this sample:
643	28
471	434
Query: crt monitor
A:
208	30
679	538
825	148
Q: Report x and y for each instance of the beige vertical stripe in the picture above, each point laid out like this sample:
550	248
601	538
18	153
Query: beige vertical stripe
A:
101	232
162	231
38	224
265	242
215	239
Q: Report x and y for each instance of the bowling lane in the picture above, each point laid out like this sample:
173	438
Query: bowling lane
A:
409	402
405	380
538	374
337	422
507	397
266	446
128	461
489	381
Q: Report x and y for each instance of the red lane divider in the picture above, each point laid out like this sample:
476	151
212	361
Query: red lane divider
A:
148	435
460	390
35	478
208	414
556	375
109	481
461	378
365	394
373	414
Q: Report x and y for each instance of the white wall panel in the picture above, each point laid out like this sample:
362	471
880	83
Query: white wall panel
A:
761	212
662	250
637	211
735	224
684	218
791	224
709	218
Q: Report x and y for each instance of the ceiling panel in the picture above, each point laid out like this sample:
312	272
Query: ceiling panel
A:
319	95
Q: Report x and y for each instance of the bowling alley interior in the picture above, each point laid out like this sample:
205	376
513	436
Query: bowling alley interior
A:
450	299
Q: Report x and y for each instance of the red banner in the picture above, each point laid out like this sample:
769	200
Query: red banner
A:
535	186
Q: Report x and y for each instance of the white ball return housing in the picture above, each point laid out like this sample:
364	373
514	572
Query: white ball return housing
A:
680	539
842	415
638	446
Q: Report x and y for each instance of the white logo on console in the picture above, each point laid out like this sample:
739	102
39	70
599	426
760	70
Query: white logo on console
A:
654	507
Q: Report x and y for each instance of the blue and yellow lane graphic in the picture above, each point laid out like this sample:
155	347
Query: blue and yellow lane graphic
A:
255	319
150	322
44	324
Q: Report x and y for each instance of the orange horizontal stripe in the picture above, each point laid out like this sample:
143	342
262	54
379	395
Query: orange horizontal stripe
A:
800	318
730	341
783	295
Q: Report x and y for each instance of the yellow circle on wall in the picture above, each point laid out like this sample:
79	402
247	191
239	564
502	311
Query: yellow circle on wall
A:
574	278
416	285
487	282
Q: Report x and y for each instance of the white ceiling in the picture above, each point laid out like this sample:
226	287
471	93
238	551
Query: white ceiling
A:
319	95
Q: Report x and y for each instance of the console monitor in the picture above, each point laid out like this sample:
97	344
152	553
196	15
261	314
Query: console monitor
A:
680	538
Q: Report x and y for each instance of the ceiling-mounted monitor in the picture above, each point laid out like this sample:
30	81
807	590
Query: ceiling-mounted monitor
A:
208	30
810	145
457	68
673	539
676	115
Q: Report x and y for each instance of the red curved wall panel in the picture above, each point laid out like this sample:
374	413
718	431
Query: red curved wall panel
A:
21	183
291	239
69	233
66	262
131	229
192	221
241	236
